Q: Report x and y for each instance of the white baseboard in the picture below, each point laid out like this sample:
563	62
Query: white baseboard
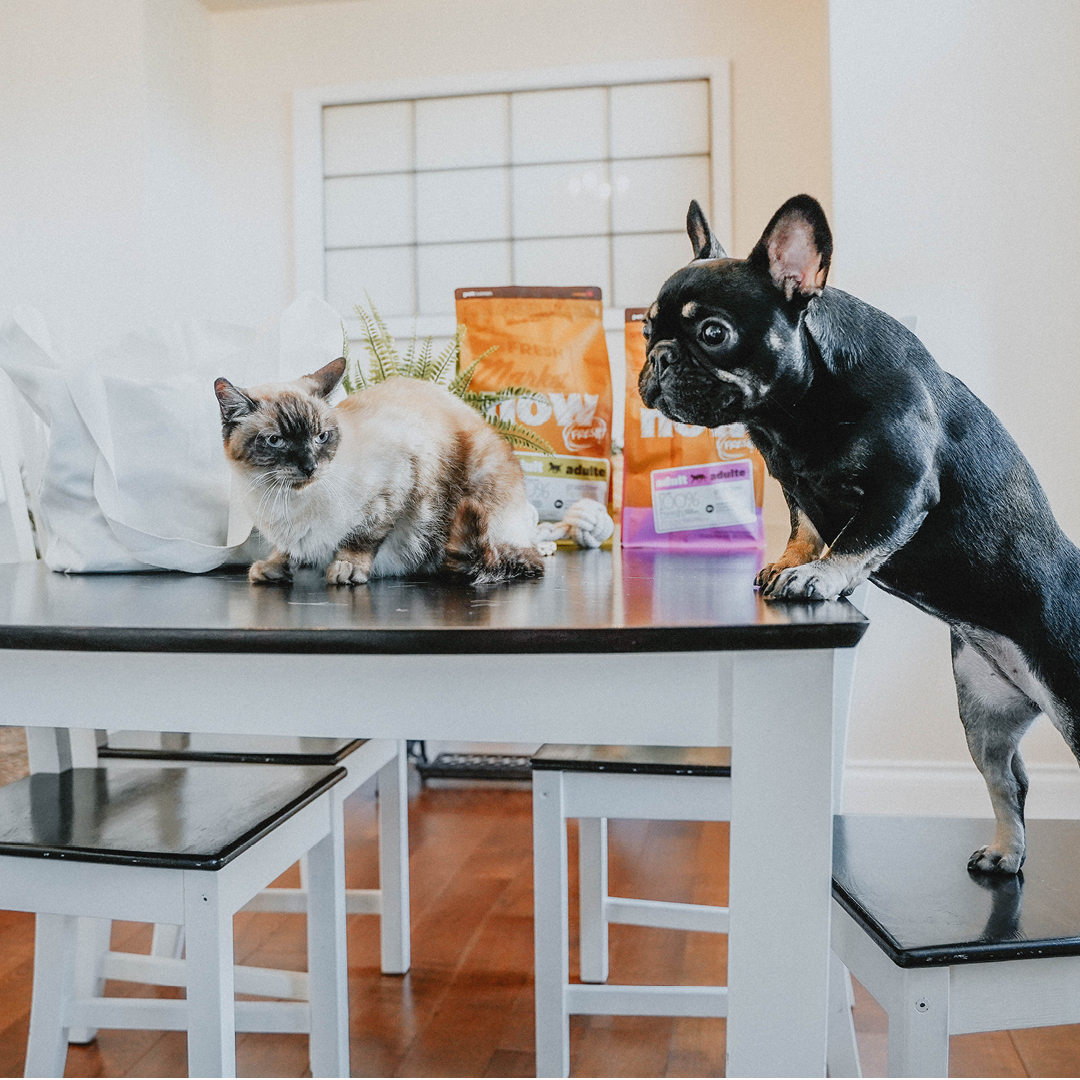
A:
952	789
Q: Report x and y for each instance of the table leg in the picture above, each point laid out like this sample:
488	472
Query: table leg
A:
781	860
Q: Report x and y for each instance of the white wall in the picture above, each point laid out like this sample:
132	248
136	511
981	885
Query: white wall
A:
956	157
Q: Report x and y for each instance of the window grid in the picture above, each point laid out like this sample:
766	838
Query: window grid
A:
511	169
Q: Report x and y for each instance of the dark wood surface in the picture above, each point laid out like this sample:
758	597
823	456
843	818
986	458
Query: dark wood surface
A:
658	760
186	818
235	749
906	881
588	601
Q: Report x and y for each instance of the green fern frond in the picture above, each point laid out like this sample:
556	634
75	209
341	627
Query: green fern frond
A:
381	353
353	379
460	382
519	436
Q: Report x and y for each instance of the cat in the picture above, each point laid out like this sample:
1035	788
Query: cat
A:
399	478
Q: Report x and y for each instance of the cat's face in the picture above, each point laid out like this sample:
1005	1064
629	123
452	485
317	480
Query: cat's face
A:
286	432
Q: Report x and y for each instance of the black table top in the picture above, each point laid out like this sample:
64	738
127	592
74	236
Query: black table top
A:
905	880
588	601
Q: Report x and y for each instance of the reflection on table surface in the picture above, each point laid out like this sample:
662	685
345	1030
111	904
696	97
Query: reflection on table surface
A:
582	590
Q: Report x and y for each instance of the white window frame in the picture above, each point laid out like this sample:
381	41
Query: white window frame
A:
308	180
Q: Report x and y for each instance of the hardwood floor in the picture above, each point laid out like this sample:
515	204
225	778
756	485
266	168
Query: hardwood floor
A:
465	1009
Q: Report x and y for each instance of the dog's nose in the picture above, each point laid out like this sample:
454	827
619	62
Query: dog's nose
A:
660	357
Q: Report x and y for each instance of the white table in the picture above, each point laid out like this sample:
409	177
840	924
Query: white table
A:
642	648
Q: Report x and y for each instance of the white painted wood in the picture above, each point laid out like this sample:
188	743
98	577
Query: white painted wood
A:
597	698
48	749
327	962
1015	994
781	834
88	978
211	1032
647	1000
593	903
919	1024
843	1051
163	1014
54	946
172	971
394	932
644	795
666	914
551	925
167	940
294	901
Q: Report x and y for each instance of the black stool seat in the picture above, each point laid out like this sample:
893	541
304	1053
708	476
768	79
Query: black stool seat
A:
237	749
658	760
906	882
179	818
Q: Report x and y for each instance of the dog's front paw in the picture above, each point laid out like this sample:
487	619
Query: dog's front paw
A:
820	580
344	572
269	571
994	860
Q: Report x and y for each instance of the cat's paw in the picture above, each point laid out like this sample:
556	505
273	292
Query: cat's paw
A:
343	572
269	572
546	548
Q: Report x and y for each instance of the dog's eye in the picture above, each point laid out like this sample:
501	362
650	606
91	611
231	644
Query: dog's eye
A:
713	333
274	441
645	330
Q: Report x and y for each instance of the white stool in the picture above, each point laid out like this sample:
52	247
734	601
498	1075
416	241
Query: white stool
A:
945	951
176	846
594	783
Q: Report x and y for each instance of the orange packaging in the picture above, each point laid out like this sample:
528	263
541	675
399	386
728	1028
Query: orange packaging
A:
552	341
684	486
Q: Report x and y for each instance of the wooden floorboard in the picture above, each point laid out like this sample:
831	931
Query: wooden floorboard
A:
466	1008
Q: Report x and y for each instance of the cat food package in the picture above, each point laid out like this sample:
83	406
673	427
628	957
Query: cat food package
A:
684	486
552	341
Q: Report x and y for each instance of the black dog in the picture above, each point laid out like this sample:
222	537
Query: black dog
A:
892	470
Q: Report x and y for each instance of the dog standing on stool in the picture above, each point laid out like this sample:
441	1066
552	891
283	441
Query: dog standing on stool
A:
893	471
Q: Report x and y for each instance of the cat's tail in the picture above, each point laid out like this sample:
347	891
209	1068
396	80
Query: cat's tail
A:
474	553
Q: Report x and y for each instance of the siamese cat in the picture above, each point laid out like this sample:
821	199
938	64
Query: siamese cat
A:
400	478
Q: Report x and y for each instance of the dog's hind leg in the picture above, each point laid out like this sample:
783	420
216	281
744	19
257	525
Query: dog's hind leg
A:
995	713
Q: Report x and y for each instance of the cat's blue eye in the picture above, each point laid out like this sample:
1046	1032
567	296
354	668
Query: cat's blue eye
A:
274	441
322	437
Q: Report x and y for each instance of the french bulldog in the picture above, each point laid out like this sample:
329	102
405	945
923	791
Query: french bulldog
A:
893	470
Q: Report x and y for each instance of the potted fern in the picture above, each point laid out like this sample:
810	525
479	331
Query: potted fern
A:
420	362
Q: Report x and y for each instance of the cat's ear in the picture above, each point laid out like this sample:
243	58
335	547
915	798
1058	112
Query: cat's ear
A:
322	382
234	403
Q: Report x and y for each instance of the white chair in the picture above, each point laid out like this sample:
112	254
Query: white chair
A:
946	951
594	783
176	846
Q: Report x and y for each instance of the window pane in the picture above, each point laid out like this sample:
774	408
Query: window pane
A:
386	274
561	200
644	263
442	268
655	195
584	261
559	125
470	204
654	119
368	210
367	138
462	131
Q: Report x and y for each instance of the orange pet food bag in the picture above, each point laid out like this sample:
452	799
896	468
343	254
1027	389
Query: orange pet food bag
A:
684	486
551	340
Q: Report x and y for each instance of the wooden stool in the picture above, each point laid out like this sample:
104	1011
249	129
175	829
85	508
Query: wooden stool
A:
178	846
594	783
946	951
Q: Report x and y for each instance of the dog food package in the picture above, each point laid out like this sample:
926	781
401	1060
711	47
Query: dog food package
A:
685	487
552	341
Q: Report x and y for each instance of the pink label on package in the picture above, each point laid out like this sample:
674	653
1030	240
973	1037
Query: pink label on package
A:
703	496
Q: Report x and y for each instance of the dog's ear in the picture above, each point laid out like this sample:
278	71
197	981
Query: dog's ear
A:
234	403
706	246
322	382
796	248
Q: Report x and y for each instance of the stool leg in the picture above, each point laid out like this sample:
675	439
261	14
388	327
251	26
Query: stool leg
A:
167	941
327	962
55	941
208	930
394	929
551	924
843	1051
919	1024
92	943
593	882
